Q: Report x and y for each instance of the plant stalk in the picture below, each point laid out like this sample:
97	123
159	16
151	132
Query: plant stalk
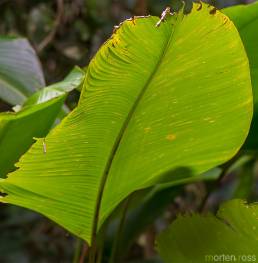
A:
119	231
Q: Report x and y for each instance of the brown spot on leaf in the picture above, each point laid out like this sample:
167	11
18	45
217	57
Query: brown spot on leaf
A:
171	137
147	130
133	20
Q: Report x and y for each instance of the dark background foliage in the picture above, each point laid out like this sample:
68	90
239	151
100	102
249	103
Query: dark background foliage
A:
67	33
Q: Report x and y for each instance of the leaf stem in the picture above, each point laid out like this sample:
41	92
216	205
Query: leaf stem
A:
77	250
119	231
226	166
84	252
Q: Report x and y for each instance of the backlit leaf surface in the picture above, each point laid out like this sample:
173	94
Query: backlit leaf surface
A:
156	101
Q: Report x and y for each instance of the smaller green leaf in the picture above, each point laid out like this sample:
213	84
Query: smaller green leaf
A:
245	18
20	71
17	129
72	81
194	239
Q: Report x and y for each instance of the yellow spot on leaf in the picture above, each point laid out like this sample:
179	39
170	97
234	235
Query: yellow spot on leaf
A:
209	119
147	130
171	137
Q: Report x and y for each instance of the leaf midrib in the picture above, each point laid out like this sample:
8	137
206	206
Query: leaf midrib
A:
124	127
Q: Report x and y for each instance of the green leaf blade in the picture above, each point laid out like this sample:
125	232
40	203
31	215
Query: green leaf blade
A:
35	118
148	108
20	70
18	129
198	238
160	135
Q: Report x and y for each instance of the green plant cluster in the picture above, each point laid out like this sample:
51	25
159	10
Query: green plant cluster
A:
166	101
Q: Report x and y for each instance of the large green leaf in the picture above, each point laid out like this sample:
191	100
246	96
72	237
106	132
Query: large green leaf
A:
155	100
245	17
194	239
17	129
20	71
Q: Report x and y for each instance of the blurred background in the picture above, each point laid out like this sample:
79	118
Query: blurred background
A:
65	33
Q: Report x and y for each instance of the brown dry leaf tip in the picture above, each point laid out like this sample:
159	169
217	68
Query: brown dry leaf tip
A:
164	14
44	146
213	11
199	7
115	29
133	20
